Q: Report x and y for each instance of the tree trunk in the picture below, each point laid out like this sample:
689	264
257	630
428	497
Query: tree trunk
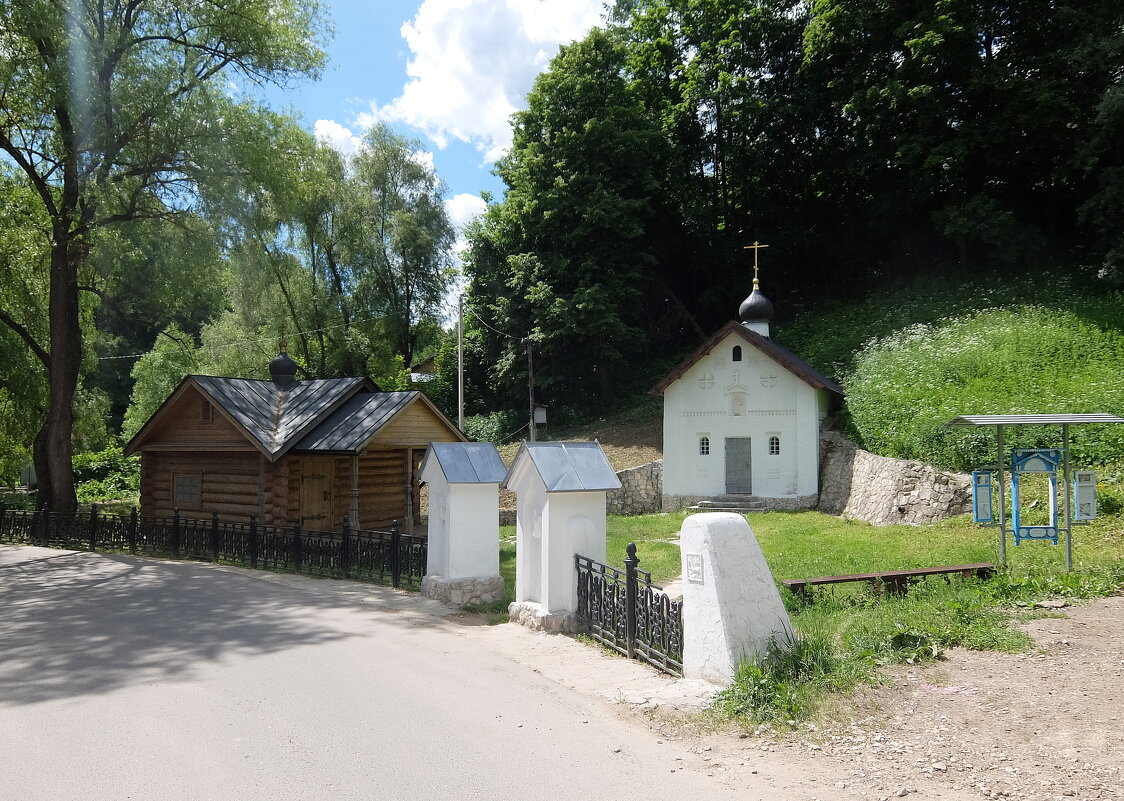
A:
42	468
66	359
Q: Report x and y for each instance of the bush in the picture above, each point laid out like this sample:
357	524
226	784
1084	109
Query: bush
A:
497	427
105	475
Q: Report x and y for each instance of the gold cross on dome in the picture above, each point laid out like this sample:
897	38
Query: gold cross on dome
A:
756	248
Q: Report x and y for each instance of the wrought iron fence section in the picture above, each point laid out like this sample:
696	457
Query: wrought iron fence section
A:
373	556
623	610
601	602
19	527
659	629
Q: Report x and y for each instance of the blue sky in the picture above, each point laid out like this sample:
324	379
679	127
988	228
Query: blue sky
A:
447	72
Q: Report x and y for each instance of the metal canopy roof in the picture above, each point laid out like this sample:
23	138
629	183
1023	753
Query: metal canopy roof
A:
568	466
467	462
1032	419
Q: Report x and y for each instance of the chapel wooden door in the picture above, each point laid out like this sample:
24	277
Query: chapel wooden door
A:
316	493
739	468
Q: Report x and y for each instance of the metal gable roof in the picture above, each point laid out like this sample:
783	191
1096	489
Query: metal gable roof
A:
350	426
778	353
568	466
467	462
1032	419
275	416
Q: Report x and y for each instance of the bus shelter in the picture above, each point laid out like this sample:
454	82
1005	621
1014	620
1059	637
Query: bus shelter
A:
1046	458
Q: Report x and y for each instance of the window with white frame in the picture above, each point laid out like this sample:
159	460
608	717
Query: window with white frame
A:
704	445
774	445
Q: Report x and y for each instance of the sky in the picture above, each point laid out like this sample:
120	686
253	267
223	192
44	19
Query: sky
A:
446	72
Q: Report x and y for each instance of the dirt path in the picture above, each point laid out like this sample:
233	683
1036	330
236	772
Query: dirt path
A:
1043	725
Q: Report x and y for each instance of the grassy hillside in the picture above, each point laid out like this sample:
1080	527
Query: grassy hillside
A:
912	359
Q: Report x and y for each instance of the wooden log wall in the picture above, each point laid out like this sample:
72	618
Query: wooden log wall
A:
382	488
229	483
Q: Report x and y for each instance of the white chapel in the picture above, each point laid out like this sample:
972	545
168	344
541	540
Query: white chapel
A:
742	416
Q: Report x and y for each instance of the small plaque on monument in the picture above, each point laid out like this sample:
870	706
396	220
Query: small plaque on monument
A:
694	567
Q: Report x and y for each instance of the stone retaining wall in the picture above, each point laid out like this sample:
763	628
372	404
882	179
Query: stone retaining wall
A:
860	485
641	491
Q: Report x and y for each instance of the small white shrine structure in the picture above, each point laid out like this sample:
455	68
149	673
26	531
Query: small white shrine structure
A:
742	417
560	512
989	484
463	565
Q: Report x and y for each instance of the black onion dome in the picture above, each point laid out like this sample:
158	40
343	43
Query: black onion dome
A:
282	369
756	306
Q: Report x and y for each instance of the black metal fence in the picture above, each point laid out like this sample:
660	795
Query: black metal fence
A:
625	611
372	556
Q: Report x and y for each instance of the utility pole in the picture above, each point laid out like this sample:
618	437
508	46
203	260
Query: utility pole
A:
460	362
531	385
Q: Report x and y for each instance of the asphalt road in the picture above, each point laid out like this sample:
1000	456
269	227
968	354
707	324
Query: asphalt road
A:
128	678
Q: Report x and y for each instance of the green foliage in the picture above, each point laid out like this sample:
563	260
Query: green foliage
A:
783	684
157	374
106	475
1020	360
497	428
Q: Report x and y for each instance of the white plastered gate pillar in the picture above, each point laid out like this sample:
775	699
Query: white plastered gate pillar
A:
463	563
731	606
560	512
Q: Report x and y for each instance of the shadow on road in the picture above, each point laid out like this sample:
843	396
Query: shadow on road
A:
78	623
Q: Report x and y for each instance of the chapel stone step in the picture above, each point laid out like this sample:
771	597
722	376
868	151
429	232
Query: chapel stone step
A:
738	504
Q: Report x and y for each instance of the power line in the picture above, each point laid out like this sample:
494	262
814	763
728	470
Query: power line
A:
492	328
239	342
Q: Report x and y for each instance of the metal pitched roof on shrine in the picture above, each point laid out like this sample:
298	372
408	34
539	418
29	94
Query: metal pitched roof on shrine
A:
567	466
351	426
778	353
467	462
1032	419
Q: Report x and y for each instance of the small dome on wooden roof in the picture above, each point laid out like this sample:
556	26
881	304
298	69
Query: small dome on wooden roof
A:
282	369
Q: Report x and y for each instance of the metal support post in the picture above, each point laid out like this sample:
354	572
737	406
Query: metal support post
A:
630	563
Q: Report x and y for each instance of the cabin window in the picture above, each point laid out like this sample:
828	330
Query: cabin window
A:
704	446
774	445
186	490
207	412
737	357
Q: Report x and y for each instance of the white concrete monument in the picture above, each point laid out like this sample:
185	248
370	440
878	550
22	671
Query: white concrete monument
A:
560	512
731	607
463	565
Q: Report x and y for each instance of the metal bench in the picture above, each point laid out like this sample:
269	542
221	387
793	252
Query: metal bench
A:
895	582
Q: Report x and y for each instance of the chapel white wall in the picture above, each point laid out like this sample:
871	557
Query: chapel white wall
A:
777	403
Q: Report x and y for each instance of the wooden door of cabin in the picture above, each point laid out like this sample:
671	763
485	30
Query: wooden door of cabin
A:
316	493
739	469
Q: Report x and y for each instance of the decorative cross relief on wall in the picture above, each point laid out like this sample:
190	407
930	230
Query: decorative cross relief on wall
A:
706	381
768	380
737	392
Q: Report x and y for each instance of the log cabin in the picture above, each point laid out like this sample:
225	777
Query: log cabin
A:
312	451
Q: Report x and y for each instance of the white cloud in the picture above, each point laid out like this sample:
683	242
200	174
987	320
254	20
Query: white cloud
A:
473	62
337	136
464	208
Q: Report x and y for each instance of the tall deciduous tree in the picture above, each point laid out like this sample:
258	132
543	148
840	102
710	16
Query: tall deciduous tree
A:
566	258
116	111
